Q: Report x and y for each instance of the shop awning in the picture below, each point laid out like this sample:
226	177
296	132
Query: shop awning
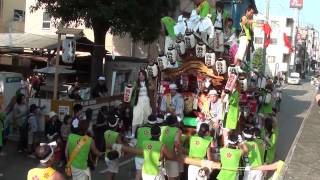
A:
27	40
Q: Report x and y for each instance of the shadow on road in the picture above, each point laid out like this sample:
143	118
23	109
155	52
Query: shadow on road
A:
295	103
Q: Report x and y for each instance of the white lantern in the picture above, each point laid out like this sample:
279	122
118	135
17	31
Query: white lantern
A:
190	41
68	50
221	66
210	59
162	62
267	99
207	83
152	70
262	81
232	69
180	47
243	82
127	93
200	50
172	56
169	42
231	83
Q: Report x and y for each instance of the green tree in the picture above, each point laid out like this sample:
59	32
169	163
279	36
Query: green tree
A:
139	18
257	61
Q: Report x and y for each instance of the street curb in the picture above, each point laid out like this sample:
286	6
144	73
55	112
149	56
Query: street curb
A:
296	139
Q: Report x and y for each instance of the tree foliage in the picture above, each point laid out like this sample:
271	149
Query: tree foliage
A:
257	61
139	18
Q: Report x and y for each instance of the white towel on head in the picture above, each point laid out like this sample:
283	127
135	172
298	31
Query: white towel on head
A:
193	21
180	27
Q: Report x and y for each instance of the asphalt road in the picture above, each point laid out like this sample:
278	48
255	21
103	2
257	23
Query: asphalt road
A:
295	104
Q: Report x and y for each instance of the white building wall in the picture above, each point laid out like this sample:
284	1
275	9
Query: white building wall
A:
34	21
276	49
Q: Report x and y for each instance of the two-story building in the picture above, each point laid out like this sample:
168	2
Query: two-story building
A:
278	56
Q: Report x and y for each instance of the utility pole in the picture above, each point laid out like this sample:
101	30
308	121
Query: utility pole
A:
264	56
294	39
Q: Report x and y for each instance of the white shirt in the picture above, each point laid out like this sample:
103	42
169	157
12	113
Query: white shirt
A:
218	22
143	89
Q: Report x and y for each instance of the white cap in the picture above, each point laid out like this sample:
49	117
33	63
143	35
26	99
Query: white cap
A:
173	86
101	78
213	92
52	114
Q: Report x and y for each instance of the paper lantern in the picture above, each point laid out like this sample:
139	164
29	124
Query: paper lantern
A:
232	69
201	82
231	83
189	39
243	82
127	93
195	102
207	83
152	70
210	59
68	50
200	50
221	66
262	81
180	47
162	62
268	98
169	42
172	55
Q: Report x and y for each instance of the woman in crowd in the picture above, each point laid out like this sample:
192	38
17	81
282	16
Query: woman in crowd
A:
101	127
65	131
141	102
20	114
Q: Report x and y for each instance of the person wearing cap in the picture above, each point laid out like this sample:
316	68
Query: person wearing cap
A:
201	146
140	101
171	137
111	136
100	90
213	110
45	170
154	152
79	164
143	133
53	126
173	103
255	155
230	158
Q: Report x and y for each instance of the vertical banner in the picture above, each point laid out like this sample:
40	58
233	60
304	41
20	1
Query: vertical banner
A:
68	50
296	4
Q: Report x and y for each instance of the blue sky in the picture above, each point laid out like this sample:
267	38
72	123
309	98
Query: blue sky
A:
309	15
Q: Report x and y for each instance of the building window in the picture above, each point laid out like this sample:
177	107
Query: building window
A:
271	59
274	41
258	40
46	22
18	15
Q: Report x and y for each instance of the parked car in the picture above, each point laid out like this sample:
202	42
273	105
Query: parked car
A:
294	78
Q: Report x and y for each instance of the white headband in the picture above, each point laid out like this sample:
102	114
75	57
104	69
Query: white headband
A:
51	145
231	142
115	124
249	136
